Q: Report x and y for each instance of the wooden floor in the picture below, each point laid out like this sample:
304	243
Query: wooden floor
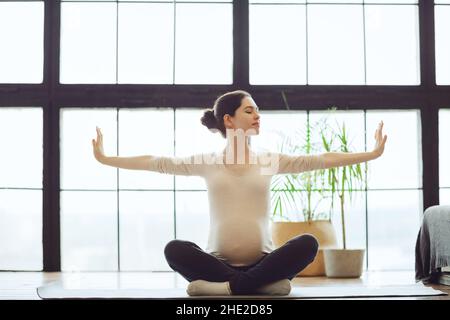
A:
22	285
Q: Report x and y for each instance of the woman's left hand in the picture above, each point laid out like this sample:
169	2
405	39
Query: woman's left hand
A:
380	140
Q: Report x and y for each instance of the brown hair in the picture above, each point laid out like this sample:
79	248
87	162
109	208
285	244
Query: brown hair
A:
225	104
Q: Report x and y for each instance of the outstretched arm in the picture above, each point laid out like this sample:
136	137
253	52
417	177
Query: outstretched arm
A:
338	159
133	163
187	166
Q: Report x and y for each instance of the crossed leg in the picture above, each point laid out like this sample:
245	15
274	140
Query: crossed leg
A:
193	263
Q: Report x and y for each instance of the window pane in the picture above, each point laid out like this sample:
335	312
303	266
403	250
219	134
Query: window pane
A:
22	42
335	44
271	1
277	49
204	44
21	230
355	217
394	218
21	145
203	1
335	1
400	166
355	208
192	217
392	1
146	225
275	127
392	45
355	221
145	132
194	138
89	231
444	148
79	168
444	196
118	0
88	42
442	21
354	126
146	43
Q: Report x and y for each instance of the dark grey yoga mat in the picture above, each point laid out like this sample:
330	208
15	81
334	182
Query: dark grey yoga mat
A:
58	290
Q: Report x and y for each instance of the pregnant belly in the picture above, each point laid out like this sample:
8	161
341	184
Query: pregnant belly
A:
240	245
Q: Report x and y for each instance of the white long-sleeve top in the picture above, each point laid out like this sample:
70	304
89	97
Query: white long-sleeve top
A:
239	204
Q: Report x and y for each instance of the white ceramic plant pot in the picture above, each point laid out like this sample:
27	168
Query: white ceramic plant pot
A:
340	263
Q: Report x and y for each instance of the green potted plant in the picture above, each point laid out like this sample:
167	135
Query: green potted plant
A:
301	194
343	182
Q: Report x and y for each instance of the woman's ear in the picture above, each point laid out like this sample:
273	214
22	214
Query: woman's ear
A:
227	121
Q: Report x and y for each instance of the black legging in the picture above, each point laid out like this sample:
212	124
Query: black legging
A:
286	262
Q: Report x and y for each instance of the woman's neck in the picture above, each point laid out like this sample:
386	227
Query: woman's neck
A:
237	151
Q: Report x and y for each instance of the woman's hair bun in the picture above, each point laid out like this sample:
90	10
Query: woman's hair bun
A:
208	119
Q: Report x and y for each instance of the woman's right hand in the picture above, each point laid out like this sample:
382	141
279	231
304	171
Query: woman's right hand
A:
98	146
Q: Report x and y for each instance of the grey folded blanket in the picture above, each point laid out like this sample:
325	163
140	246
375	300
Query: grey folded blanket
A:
433	243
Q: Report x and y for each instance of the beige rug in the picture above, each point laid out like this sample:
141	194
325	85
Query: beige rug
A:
57	290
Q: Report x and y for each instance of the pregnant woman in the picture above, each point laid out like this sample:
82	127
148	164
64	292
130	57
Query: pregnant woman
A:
240	257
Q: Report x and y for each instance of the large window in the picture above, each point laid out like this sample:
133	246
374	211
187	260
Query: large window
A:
21	189
334	42
444	156
442	23
144	71
22	41
146	42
